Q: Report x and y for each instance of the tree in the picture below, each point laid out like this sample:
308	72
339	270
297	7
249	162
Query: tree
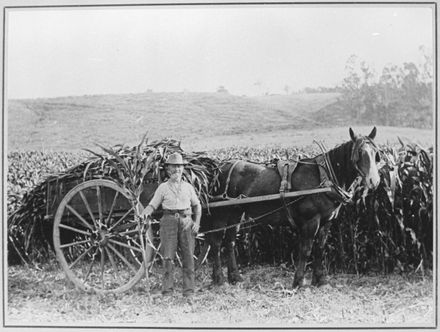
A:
401	96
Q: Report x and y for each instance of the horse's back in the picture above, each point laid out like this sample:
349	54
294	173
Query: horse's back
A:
248	179
306	176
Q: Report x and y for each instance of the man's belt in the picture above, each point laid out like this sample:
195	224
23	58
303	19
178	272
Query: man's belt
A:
178	213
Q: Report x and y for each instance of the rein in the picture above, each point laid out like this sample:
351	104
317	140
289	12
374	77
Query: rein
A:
344	196
253	220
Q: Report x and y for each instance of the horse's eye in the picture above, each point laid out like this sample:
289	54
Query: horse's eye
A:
377	157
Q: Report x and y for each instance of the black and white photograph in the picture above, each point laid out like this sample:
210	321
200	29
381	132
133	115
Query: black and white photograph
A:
219	165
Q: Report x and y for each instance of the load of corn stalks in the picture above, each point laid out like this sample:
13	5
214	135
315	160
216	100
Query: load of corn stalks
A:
30	224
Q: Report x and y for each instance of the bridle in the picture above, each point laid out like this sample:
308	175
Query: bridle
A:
357	147
328	175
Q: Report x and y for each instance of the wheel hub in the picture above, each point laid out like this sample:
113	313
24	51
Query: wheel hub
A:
101	234
104	236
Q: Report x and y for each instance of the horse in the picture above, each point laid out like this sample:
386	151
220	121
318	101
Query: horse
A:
311	215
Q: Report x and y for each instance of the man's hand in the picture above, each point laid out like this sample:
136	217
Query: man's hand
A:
196	227
144	214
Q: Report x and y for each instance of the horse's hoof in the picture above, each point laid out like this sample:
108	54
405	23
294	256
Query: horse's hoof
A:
299	283
320	282
234	278
218	280
325	286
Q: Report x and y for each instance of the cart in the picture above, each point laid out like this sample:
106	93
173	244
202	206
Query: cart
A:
99	240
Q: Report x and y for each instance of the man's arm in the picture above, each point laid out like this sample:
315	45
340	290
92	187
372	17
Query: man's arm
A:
197	215
152	205
196	210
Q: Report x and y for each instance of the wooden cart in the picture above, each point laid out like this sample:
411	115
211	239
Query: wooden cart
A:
99	241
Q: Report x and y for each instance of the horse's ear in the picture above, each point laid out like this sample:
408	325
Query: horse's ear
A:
373	133
352	135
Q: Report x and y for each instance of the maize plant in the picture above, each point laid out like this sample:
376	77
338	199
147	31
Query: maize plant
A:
34	200
388	230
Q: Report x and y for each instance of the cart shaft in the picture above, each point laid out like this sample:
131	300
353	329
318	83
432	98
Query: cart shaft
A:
247	200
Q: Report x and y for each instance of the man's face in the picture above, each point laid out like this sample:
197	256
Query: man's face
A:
175	171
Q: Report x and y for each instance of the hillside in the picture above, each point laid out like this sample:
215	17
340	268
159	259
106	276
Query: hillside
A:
200	120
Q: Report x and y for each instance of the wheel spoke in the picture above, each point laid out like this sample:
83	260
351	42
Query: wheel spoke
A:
98	195
111	209
86	203
102	266
125	245
91	265
73	243
122	258
156	253
71	209
80	256
74	229
122	218
112	261
131	239
128	232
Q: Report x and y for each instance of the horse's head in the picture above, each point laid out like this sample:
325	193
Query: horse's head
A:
365	157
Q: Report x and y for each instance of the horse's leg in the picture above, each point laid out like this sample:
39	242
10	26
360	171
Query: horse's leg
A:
306	236
319	272
215	239
233	274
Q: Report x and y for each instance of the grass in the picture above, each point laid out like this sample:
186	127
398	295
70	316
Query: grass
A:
68	123
203	121
43	297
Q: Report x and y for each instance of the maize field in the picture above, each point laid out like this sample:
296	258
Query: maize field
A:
389	230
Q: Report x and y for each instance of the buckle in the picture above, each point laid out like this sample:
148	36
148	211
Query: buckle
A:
177	215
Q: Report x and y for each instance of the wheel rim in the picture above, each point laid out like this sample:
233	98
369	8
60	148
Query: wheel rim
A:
96	238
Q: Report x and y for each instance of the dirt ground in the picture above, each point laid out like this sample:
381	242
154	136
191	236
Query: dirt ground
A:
265	299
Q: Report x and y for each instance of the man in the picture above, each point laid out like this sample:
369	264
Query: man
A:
179	225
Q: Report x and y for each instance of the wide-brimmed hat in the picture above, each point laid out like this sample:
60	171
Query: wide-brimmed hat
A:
175	159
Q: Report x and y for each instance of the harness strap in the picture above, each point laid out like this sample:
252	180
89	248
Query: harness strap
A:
225	192
283	187
328	176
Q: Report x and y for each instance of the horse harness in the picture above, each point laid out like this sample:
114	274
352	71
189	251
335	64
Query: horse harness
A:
326	172
286	169
327	176
354	152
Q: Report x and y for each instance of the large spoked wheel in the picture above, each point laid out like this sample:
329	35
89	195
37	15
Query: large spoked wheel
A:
97	238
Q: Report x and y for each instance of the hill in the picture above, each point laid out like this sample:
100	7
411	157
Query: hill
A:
200	120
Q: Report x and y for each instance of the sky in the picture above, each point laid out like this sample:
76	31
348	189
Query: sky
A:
248	49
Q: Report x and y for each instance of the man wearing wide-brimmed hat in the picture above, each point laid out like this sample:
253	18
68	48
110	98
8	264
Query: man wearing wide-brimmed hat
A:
179	225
